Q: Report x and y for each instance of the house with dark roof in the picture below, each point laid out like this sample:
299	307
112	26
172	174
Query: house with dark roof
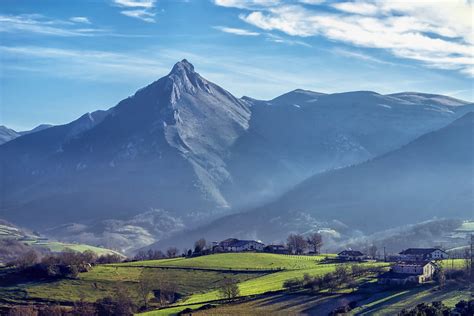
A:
281	249
237	245
403	273
351	255
423	254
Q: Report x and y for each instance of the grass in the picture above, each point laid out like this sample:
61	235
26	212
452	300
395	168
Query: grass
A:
271	282
55	246
103	281
237	261
453	264
394	301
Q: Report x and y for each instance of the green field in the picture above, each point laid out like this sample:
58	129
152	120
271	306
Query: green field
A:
237	261
286	268
260	276
10	232
56	246
102	281
453	264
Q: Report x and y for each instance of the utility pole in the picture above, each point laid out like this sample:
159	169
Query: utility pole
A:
471	260
384	255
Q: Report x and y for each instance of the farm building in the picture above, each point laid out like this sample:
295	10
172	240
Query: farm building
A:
351	255
281	249
423	254
409	273
236	245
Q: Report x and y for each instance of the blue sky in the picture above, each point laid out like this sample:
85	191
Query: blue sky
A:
61	59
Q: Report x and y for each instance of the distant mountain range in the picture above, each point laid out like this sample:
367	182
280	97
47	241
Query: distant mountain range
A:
185	152
432	176
8	134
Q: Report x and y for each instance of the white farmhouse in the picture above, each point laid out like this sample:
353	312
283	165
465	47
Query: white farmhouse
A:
409	273
420	254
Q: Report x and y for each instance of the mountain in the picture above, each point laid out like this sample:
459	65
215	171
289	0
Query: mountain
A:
302	133
183	151
7	134
36	129
160	148
432	176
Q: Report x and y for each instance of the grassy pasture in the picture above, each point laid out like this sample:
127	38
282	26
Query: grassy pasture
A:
102	281
237	261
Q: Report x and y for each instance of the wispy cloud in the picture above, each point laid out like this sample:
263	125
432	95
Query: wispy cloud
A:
141	14
43	25
82	63
285	40
80	19
138	9
247	4
236	31
136	3
360	56
436	33
37	23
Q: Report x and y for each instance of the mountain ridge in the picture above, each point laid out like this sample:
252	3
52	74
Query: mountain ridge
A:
189	148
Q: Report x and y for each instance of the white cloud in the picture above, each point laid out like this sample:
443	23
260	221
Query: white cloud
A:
138	9
284	40
247	4
438	34
312	1
140	14
147	4
236	31
39	24
80	19
42	25
362	8
83	64
360	55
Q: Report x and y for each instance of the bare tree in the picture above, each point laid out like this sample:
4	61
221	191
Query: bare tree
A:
372	251
199	245
342	274
172	252
440	277
28	259
296	243
168	289
315	241
147	282
229	289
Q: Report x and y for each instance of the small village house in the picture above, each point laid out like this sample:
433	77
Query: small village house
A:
423	254
351	255
280	249
237	245
404	273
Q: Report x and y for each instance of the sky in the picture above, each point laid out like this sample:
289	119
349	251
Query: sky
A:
60	59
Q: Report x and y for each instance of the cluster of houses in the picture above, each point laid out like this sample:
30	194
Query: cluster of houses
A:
412	266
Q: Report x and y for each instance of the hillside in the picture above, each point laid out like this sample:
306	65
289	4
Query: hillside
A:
8	134
430	177
15	241
261	281
183	151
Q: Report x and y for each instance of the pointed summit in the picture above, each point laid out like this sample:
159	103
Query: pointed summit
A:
183	79
182	67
